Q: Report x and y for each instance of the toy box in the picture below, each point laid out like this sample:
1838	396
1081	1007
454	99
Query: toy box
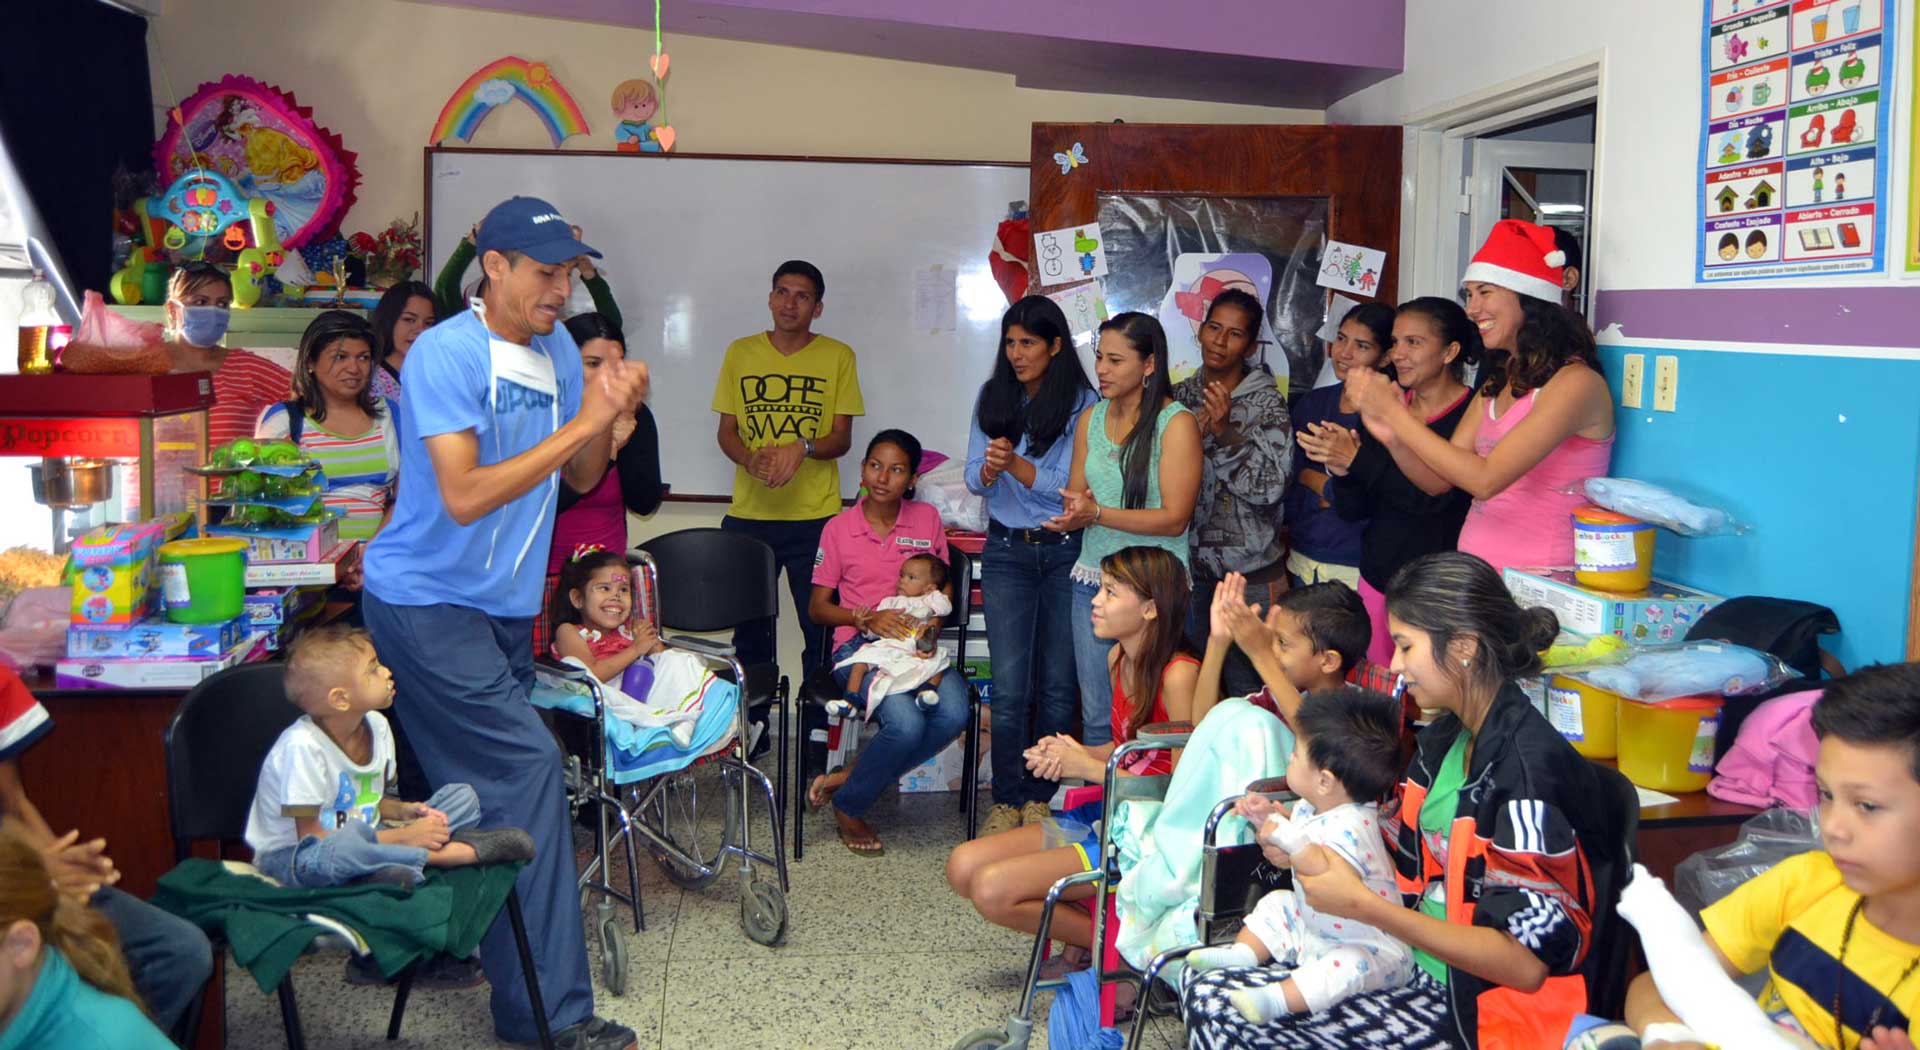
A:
272	606
277	546
164	672
324	572
113	572
153	637
942	771
1661	613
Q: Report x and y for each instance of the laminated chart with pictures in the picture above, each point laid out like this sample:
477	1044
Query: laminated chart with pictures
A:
1793	147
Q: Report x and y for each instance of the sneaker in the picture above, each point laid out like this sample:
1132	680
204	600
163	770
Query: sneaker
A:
445	973
1034	813
841	709
1001	817
595	1033
927	699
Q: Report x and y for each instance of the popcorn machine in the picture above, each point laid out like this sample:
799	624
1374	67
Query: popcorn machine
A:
107	448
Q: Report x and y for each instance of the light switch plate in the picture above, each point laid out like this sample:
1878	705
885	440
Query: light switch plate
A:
1666	382
1631	380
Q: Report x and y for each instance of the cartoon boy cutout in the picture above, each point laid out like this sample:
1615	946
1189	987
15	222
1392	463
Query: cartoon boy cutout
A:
635	103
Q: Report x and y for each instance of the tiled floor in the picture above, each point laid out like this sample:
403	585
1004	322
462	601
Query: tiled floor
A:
879	955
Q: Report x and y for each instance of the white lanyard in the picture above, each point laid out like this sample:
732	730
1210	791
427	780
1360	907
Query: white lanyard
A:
523	367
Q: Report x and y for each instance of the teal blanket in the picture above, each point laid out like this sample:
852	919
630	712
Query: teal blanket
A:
1160	843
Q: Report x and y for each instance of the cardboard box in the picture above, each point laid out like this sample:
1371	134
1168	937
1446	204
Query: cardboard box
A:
1661	613
296	543
114	573
269	607
169	672
324	572
942	771
153	637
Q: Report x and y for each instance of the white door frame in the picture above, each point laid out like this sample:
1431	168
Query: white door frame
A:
1434	155
1492	156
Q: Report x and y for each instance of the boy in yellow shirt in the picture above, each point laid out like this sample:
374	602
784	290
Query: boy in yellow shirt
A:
1838	929
786	399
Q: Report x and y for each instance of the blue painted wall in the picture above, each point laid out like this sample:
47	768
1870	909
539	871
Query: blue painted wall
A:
1819	455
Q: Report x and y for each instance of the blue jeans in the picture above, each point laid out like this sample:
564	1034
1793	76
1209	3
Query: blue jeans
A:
908	736
1090	663
169	957
1028	591
461	681
794	543
354	849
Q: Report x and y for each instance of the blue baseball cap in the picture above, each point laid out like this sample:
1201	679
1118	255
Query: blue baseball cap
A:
532	227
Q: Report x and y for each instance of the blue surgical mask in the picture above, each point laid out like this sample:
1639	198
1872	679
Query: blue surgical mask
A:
204	325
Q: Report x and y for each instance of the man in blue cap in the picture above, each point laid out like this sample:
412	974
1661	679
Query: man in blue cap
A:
494	416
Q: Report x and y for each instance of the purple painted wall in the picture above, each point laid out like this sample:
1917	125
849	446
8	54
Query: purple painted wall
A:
1823	316
1300	53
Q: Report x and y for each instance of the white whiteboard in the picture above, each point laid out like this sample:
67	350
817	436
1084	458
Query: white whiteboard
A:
691	243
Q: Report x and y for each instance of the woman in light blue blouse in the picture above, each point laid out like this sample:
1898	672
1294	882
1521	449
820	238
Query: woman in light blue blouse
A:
1018	457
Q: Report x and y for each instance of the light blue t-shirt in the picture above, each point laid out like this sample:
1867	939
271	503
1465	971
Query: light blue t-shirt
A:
498	563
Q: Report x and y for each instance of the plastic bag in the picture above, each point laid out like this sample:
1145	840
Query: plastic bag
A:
1764	841
33	628
1663	672
945	488
1658	506
109	344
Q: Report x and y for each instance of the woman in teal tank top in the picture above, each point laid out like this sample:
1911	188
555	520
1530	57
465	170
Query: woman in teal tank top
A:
1134	482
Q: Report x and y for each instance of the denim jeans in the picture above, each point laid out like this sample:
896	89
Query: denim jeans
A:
169	957
1090	663
461	681
794	543
908	736
354	849
1028	591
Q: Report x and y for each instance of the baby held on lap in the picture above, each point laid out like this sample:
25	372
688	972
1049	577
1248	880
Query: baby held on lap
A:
1346	755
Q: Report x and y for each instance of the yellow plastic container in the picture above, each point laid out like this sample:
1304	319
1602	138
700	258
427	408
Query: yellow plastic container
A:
1586	715
1668	746
1612	552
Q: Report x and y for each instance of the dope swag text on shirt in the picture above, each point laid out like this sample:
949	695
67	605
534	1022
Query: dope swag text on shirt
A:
774	407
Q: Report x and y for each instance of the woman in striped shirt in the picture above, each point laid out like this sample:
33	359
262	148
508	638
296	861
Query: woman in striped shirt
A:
335	417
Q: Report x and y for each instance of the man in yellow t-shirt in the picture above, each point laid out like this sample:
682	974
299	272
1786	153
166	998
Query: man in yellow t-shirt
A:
1838	929
786	399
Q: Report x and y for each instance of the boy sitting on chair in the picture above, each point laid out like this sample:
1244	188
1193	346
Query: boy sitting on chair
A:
1346	755
321	815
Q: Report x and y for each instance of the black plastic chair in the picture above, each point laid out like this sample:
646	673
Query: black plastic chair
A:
1614	939
216	743
819	688
717	580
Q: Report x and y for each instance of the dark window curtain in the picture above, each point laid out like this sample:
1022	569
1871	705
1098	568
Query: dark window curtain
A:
75	103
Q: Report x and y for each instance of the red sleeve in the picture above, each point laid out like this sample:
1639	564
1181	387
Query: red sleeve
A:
22	720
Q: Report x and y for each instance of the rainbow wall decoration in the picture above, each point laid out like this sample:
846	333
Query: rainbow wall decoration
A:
502	81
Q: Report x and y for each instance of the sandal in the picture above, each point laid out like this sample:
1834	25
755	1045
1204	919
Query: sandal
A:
859	839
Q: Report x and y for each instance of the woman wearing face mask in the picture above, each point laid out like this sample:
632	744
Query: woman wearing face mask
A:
1247	444
1326	546
598	517
1541	424
199	300
402	314
1134	481
1433	343
1500	933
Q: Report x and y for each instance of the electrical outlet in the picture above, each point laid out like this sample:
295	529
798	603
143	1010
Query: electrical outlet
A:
1666	383
1631	379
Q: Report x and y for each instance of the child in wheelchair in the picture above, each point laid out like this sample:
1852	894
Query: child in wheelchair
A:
1346	756
884	666
321	814
597	627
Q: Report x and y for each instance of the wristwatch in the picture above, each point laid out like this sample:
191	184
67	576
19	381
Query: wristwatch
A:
807	443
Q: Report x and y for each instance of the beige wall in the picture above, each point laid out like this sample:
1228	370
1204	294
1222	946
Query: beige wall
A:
378	71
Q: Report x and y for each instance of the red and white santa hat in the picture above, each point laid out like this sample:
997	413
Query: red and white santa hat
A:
1519	256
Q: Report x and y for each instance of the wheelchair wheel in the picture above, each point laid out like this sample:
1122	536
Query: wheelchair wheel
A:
982	1039
613	957
763	913
699	820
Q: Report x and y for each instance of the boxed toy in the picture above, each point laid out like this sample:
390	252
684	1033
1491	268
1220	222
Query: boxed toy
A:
1661	613
299	574
268	545
113	572
269	607
162	672
154	637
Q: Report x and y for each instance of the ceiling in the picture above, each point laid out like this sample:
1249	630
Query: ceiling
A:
1295	53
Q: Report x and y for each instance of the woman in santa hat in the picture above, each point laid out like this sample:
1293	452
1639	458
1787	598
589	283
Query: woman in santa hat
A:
1541	424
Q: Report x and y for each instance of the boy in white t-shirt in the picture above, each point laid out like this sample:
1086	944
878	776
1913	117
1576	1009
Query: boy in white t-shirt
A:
1346	755
321	815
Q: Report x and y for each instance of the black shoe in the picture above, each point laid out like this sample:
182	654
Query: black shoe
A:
498	845
595	1033
443	972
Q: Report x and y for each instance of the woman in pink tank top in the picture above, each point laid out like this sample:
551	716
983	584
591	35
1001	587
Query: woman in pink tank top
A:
1542	421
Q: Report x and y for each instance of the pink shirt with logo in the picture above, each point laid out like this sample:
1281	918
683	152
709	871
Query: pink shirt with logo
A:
866	568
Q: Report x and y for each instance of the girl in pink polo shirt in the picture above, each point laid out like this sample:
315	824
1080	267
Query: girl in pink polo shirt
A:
861	549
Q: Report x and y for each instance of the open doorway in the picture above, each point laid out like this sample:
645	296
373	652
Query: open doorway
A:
1526	149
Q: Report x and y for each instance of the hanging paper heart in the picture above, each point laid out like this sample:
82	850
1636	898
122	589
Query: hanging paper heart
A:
664	136
660	62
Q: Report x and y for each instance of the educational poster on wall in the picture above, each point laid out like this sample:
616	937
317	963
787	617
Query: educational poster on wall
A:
1793	173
